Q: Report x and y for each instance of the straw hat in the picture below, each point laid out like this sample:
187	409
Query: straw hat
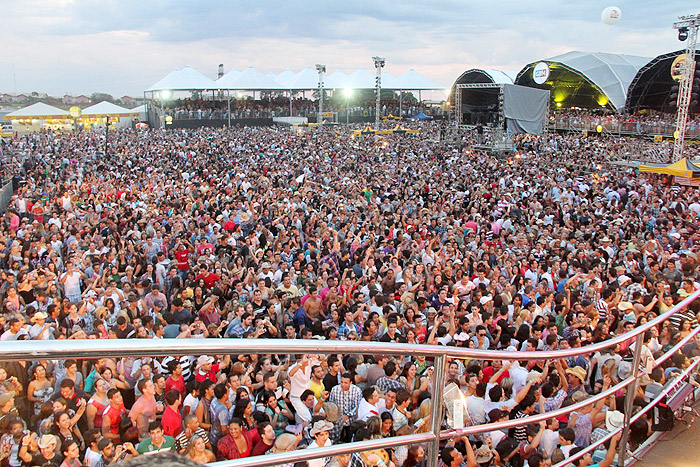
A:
319	426
578	372
284	443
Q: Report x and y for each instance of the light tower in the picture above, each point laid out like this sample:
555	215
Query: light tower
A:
687	31
321	70
378	65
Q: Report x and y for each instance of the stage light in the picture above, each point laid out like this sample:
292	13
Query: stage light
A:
682	34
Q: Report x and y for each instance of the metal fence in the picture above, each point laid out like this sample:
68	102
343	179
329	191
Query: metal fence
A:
642	128
5	195
35	350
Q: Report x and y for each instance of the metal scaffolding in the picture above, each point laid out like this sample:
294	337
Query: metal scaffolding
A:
687	30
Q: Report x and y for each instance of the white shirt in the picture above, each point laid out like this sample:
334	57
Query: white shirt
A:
366	410
318	462
301	380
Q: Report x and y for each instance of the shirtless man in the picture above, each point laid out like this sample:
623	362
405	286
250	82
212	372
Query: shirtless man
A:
314	305
144	409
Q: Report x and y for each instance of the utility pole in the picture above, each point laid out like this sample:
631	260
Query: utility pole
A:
378	65
106	133
687	30
321	70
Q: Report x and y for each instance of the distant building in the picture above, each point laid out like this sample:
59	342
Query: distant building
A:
10	98
75	100
130	102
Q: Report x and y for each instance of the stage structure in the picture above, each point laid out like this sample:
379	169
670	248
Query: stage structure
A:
515	109
687	29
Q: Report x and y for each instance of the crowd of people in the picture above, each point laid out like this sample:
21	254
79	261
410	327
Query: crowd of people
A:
267	233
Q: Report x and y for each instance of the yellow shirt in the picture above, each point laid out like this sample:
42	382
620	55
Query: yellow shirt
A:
318	389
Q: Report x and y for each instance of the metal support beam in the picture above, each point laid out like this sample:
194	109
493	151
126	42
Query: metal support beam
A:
436	409
378	65
629	400
321	70
688	26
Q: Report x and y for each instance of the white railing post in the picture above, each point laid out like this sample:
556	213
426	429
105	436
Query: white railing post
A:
436	409
630	394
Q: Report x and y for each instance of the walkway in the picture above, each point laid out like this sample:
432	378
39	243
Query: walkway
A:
678	448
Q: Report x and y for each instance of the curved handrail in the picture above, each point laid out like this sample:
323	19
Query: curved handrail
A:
92	348
24	350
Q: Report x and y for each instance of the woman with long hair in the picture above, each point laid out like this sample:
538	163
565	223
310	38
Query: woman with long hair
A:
40	388
244	411
198	451
415	457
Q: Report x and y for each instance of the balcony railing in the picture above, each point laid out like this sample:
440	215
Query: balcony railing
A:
62	349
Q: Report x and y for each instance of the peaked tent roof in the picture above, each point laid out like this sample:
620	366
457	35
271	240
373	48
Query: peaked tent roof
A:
337	80
681	168
411	80
184	79
360	79
305	79
389	81
107	108
140	109
271	75
228	79
611	73
286	75
39	111
251	79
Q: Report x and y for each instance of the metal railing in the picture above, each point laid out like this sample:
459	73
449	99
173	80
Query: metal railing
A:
58	349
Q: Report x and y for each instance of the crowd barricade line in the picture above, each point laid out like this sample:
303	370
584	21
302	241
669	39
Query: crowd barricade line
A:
58	349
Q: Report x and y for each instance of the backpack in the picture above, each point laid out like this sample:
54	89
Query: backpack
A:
663	418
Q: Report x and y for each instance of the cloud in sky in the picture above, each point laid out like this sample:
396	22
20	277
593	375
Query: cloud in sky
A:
124	46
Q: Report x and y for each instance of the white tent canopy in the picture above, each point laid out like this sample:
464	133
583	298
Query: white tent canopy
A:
228	79
337	80
39	111
107	108
183	80
360	79
304	80
389	81
285	76
251	79
414	81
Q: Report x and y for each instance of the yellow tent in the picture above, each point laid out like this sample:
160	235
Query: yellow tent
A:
682	168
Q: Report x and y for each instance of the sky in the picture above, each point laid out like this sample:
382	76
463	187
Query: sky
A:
123	47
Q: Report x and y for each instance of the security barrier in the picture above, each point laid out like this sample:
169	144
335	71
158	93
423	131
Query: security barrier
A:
78	349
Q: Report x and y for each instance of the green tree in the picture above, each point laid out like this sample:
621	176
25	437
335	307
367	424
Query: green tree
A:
101	96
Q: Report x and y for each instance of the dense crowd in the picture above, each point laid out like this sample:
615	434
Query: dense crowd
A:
269	233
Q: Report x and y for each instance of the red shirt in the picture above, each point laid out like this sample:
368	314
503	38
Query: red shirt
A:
178	385
181	257
209	281
172	422
489	372
199	377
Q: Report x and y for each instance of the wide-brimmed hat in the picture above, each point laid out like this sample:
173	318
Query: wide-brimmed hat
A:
624	306
578	372
319	426
483	454
284	443
6	397
47	440
39	315
614	420
204	359
332	411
